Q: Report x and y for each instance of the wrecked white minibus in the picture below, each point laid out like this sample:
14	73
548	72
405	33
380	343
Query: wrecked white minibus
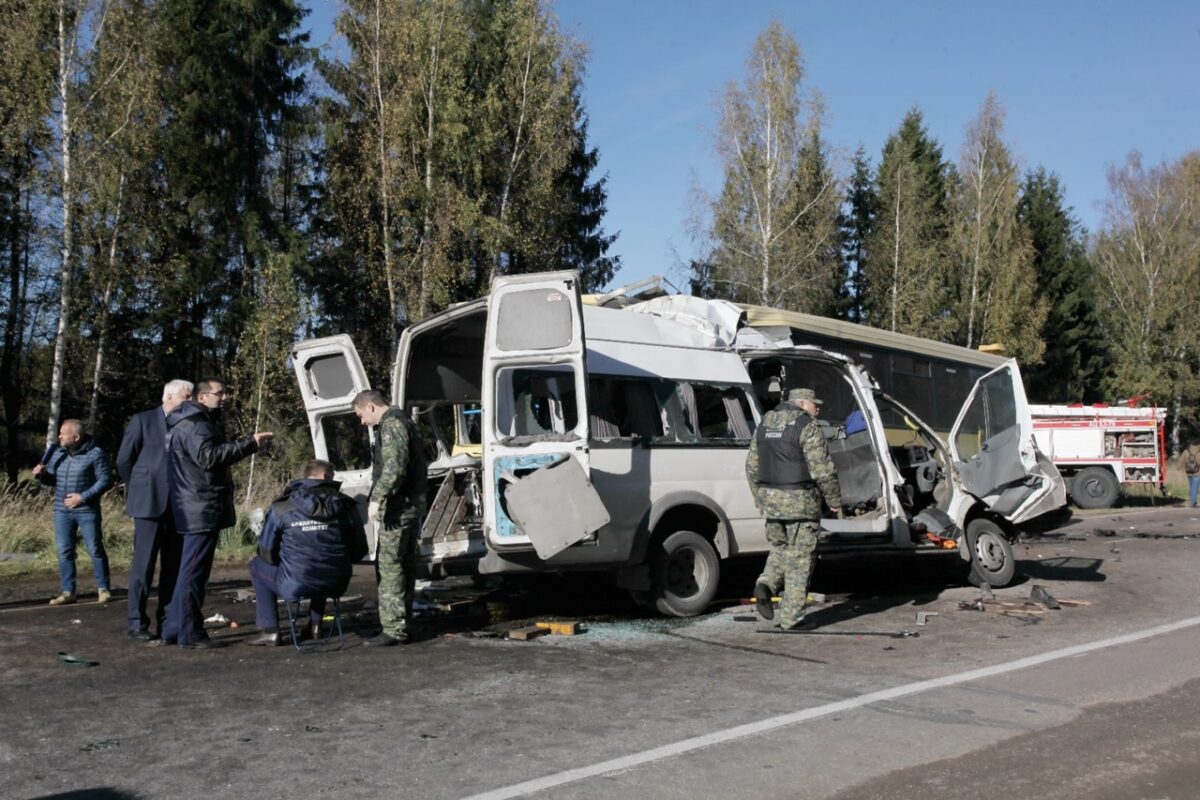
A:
566	436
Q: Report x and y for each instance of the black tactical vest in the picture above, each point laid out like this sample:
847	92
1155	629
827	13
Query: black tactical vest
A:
414	473
781	461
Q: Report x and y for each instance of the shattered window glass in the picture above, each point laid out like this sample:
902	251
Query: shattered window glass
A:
538	402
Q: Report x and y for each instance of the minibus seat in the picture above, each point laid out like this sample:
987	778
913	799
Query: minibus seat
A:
857	469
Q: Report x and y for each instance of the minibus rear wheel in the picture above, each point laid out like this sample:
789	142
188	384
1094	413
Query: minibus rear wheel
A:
685	570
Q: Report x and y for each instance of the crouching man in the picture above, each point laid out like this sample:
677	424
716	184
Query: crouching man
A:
311	537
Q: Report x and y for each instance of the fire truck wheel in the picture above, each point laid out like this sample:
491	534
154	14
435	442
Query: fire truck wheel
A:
1095	487
992	560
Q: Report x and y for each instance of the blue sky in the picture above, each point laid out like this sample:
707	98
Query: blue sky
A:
1084	83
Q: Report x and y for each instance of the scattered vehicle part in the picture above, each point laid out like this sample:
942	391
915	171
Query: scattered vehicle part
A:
76	661
527	633
923	616
1039	594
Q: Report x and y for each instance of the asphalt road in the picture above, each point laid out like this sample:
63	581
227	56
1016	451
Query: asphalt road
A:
1090	701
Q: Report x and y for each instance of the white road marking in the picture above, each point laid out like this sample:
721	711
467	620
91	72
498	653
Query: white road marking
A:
783	720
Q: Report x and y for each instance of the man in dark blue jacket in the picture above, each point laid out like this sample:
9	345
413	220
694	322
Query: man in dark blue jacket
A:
79	470
201	490
142	464
310	540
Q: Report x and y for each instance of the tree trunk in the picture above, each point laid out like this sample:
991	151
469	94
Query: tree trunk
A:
64	301
896	258
514	158
427	222
102	332
384	188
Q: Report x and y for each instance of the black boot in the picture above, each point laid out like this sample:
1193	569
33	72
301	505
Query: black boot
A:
762	601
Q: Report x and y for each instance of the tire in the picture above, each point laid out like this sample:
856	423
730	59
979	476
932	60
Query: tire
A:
1095	487
992	560
685	571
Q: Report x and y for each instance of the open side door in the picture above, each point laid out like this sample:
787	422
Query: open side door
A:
330	374
994	451
535	416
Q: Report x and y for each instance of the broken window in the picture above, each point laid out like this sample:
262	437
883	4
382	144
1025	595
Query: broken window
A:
538	401
625	408
717	412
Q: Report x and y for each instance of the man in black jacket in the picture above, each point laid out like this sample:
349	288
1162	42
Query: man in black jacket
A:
310	540
142	464
201	488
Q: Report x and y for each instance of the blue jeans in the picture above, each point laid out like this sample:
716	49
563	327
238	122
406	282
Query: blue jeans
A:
69	525
1193	487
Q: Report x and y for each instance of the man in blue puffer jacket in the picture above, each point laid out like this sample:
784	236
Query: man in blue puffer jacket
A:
79	471
310	540
199	457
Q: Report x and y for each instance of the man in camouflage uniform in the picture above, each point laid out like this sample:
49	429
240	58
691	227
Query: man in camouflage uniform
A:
395	508
790	473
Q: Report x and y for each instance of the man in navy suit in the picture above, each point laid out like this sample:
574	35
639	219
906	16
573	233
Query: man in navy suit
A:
142	464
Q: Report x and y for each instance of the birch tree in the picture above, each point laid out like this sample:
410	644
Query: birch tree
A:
117	149
774	221
1148	253
998	297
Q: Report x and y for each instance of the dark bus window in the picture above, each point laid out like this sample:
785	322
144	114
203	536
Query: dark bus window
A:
622	408
718	412
347	442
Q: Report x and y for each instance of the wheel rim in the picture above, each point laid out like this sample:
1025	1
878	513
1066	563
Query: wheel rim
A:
1094	488
989	551
686	573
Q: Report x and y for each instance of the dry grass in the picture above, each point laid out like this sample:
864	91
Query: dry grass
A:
27	527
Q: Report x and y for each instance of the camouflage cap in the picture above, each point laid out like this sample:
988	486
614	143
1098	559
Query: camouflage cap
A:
804	394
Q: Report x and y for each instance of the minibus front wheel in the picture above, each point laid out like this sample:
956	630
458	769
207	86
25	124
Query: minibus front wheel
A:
685	570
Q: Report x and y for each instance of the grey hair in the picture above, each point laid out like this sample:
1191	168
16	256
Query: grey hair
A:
177	387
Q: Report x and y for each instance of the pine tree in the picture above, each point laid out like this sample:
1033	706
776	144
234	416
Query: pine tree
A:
231	80
1074	367
857	224
26	70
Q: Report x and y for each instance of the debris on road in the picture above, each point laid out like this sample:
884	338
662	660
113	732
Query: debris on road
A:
1039	594
103	744
76	661
820	632
559	627
923	616
1025	609
527	633
217	619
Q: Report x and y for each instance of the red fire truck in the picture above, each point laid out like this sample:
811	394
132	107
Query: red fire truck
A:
1097	448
